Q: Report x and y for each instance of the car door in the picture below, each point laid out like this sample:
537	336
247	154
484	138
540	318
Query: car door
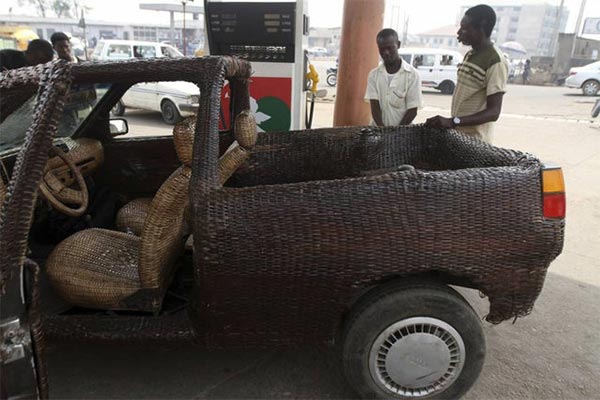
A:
144	95
21	363
447	68
19	367
425	63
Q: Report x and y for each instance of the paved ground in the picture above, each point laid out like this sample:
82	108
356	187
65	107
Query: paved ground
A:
554	353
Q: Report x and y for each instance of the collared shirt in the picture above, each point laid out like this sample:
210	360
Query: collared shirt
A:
397	96
480	75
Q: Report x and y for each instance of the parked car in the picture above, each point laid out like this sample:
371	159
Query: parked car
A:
586	78
348	236
317	51
437	67
174	100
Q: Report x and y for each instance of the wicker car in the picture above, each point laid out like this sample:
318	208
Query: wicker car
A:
345	235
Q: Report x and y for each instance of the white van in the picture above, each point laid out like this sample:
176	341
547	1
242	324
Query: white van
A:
437	67
127	49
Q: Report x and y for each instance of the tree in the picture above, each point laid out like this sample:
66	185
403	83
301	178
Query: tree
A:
61	8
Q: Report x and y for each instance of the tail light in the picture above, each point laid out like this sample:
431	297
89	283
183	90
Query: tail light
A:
553	192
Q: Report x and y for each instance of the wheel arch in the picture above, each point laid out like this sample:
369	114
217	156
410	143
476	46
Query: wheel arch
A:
590	80
391	282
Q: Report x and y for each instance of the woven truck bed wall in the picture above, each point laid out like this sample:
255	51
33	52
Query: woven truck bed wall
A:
291	258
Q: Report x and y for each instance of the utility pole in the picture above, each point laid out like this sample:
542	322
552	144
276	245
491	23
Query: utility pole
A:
183	2
405	31
577	27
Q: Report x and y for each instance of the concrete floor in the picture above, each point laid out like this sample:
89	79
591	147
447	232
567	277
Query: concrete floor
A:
553	353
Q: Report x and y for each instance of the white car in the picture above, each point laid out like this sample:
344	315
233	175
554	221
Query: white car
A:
174	100
437	67
586	78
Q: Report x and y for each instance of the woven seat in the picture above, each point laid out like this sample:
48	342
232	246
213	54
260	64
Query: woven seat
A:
152	255
113	270
98	286
131	216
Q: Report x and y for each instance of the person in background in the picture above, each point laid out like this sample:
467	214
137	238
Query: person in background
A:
526	72
394	87
62	45
482	78
38	51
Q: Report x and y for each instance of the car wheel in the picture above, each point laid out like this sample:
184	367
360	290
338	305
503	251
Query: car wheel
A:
447	87
118	109
169	112
332	80
411	342
590	88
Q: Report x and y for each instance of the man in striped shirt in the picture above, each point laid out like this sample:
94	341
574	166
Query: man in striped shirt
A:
482	77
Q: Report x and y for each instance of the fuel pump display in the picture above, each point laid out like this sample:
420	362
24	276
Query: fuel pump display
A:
272	36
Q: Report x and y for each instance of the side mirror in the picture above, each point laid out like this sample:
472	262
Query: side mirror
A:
118	126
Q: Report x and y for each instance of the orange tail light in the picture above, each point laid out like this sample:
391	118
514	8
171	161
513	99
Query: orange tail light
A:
553	188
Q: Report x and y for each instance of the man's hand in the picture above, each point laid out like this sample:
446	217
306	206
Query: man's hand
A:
439	122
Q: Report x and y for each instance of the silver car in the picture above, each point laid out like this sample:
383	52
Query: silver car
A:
586	78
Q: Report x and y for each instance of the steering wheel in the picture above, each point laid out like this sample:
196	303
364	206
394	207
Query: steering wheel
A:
59	195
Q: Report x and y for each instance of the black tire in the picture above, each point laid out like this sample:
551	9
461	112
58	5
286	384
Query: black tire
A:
447	87
590	87
118	109
331	80
169	112
420	306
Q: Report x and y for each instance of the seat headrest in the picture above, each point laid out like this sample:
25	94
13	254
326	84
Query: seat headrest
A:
245	129
183	139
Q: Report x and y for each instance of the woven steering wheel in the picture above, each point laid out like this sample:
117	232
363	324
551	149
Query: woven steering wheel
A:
59	195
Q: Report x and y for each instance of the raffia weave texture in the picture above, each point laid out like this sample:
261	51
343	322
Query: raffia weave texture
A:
95	268
131	216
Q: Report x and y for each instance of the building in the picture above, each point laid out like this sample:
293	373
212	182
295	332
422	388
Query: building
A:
96	30
584	51
530	23
328	38
444	37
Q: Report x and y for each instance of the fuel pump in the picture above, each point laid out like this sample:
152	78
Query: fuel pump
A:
273	36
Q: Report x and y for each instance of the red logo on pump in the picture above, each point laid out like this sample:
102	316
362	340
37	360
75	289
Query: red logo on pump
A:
270	101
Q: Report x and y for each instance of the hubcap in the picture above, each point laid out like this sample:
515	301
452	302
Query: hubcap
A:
417	357
591	88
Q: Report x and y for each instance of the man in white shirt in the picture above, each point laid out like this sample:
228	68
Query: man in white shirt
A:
394	87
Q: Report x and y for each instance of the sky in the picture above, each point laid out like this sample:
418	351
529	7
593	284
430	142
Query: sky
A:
323	13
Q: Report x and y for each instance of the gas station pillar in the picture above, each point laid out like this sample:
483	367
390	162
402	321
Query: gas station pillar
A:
362	20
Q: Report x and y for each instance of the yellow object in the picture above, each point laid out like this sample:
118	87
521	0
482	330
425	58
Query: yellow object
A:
313	75
22	34
553	181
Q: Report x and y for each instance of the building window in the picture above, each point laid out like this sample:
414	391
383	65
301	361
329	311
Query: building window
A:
145	33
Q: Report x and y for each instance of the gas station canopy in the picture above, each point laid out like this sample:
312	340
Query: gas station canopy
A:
172	7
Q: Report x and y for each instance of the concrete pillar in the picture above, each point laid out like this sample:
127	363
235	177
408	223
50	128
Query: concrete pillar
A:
172	28
362	20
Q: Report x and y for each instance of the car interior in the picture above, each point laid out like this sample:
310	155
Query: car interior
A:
112	221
